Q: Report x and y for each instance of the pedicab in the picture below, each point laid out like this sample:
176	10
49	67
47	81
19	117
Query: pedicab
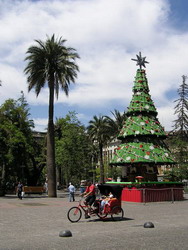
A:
111	208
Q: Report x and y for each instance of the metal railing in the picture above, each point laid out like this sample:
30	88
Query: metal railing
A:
163	194
146	195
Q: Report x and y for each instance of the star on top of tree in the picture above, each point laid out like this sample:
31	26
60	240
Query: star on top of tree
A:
140	60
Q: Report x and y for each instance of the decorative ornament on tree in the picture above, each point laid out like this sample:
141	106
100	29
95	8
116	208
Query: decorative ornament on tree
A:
140	60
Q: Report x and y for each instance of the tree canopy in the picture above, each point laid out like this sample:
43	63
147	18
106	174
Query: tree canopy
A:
181	110
98	130
116	122
72	149
178	139
20	154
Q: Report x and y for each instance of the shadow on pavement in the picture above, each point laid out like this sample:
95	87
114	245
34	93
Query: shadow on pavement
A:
8	197
109	219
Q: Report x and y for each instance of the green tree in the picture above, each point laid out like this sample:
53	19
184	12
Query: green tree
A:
116	122
53	63
181	110
178	139
72	149
94	153
19	152
98	130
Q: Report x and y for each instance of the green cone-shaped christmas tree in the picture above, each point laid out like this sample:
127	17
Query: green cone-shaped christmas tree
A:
142	136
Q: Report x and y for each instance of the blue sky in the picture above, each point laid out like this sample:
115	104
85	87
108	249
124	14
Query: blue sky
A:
106	34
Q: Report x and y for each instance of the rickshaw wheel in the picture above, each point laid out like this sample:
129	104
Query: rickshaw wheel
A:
74	214
102	216
117	213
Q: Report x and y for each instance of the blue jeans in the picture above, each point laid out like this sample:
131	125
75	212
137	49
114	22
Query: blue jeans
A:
82	190
71	196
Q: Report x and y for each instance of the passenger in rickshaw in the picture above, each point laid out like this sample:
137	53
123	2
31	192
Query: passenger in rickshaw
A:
106	200
89	196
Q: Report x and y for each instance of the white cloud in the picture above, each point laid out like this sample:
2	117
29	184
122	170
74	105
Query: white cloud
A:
107	34
12	82
166	114
40	124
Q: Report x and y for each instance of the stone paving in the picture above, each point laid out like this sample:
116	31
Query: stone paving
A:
35	223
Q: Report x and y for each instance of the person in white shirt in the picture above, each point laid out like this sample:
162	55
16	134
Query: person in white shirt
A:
72	190
106	201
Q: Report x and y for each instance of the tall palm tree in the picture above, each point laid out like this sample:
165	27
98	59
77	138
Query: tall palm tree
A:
51	63
116	123
98	131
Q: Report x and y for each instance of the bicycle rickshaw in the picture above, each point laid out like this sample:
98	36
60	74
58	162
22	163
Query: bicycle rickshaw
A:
112	208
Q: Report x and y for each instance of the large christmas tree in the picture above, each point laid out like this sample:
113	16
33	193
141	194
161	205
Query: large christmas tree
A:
142	136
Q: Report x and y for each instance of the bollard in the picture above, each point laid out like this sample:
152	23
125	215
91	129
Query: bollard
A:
148	225
66	233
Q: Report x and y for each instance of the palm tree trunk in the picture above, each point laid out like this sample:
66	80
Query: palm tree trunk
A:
93	167
51	169
101	164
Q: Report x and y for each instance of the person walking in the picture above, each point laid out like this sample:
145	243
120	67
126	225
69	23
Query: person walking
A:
72	190
19	189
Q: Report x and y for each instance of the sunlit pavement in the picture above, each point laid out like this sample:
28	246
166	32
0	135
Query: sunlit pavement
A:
35	223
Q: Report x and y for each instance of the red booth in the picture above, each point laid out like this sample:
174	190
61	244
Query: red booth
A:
151	191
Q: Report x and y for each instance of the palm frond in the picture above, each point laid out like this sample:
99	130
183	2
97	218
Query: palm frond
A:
51	60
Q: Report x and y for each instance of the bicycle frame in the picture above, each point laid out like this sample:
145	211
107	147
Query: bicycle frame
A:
83	207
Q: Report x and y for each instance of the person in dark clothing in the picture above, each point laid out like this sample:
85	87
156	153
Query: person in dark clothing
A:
20	188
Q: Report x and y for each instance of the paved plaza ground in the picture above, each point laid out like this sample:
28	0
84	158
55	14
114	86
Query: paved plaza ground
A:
35	223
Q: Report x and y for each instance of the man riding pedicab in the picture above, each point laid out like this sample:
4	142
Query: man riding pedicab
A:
90	197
